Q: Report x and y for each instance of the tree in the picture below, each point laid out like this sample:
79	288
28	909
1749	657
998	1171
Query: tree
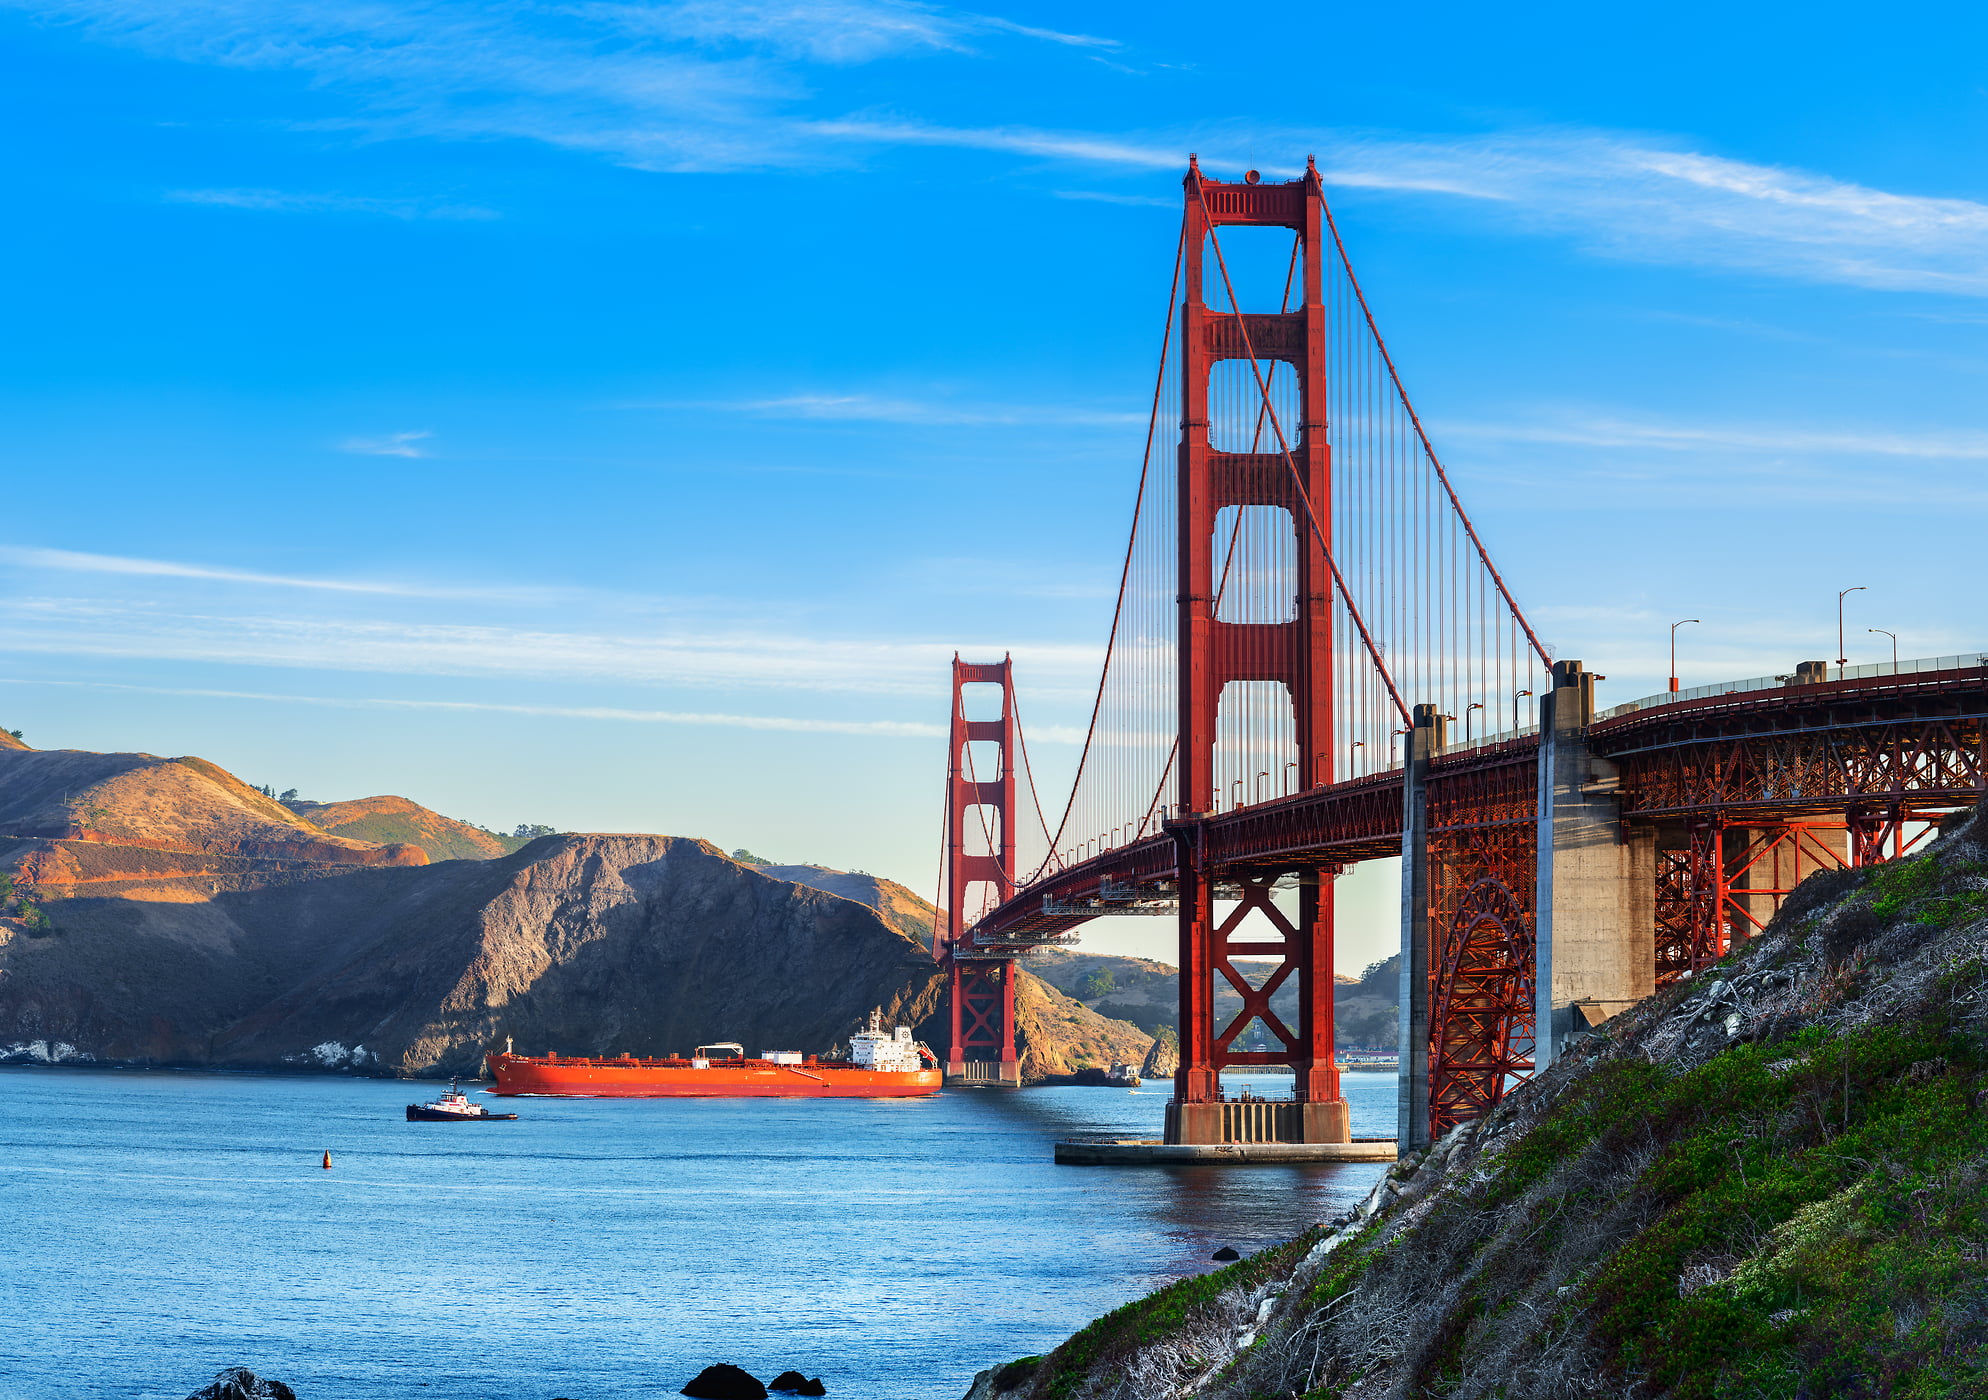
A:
1093	985
745	857
287	796
527	832
266	790
15	732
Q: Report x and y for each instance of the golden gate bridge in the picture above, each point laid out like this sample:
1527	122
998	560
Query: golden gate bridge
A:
1313	661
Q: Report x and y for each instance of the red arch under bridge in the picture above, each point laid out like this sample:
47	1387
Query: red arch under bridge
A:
1314	661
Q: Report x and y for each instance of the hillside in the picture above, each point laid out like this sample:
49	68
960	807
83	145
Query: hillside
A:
1768	1182
396	819
900	908
168	804
159	911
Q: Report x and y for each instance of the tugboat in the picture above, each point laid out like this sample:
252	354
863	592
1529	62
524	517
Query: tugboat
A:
454	1107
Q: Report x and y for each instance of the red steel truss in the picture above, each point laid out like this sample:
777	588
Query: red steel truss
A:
1483	851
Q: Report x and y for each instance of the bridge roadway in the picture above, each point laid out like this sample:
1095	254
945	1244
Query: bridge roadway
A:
1676	824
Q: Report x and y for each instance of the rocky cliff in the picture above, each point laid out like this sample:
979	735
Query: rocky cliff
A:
1769	1180
163	912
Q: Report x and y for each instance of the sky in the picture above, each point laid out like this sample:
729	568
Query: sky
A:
616	415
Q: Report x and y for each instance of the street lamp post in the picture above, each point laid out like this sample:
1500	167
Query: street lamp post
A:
1894	641
1673	650
1842	652
1473	705
1517	696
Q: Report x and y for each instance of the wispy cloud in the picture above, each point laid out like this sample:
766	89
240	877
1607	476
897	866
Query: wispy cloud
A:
720	85
69	561
694	85
1028	141
1148	200
779	723
1604	431
300	202
1643	198
830	31
867	408
392	445
698	659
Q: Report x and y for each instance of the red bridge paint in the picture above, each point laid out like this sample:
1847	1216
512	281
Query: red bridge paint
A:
626	1077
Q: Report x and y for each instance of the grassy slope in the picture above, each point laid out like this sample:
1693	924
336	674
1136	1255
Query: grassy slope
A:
390	819
1767	1183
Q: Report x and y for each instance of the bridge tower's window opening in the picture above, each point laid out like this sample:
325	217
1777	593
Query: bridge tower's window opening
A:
1265	268
980	700
1240	417
1255	565
1256	745
980	760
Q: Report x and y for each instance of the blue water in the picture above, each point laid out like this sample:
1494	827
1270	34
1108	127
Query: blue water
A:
155	1227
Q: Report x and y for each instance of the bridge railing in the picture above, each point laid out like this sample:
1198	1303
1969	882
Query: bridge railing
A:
1959	662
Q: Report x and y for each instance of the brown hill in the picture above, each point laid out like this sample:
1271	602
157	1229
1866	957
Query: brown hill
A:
395	819
166	804
8	741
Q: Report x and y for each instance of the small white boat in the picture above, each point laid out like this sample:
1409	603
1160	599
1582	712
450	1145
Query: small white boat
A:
454	1107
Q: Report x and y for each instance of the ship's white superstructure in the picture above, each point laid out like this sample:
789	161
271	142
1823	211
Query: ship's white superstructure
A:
877	1048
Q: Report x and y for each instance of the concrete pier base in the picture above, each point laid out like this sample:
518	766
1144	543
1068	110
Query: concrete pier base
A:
984	1074
1285	1122
1149	1152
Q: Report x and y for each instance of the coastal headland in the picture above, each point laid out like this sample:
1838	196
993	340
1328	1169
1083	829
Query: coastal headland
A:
160	911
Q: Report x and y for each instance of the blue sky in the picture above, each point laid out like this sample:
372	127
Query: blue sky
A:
615	415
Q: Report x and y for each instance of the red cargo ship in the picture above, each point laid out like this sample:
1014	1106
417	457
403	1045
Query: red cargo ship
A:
880	1066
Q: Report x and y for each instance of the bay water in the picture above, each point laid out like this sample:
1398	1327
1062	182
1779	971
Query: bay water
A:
157	1226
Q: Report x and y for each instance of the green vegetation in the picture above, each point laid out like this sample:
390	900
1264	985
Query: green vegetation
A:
17	734
1093	985
32	916
1162	1316
528	832
1920	890
745	857
1821	1215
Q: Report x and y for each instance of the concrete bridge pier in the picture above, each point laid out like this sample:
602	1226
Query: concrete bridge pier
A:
1427	737
1595	890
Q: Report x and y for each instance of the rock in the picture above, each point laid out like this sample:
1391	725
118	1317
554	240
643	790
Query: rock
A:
813	1387
724	1382
240	1383
1012	1375
1224	1255
787	1380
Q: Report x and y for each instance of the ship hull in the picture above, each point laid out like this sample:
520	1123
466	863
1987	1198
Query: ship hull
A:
743	1079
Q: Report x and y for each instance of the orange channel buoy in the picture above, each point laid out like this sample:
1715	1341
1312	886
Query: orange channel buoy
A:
327	1159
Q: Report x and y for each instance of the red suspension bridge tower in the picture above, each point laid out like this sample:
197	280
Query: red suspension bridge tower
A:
980	873
1286	640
